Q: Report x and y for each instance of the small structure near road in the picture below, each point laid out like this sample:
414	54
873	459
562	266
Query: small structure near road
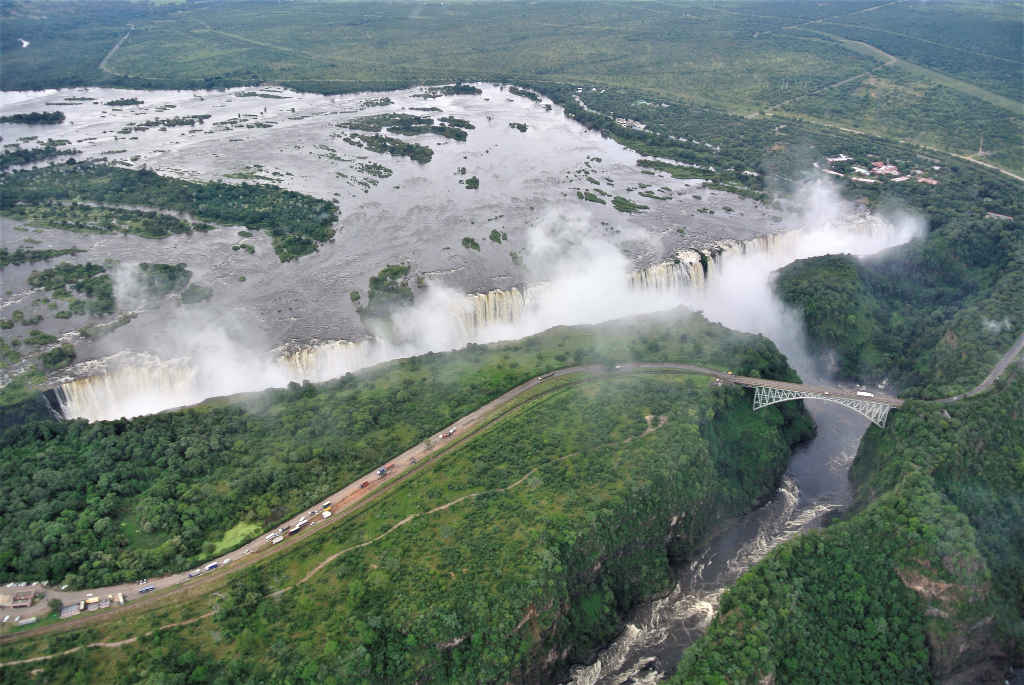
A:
17	599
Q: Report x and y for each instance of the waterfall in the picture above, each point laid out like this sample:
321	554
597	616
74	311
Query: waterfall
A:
480	310
146	379
131	385
322	361
143	384
686	270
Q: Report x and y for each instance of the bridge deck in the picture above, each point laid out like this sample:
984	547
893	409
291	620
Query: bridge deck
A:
838	393
832	393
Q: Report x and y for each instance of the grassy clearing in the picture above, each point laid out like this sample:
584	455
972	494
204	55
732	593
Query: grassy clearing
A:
241	532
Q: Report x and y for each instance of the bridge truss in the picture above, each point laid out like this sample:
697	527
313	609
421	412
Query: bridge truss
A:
875	411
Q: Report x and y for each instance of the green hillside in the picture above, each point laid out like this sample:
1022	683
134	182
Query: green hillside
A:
922	582
532	538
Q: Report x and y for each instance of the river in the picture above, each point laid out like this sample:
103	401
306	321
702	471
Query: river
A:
815	483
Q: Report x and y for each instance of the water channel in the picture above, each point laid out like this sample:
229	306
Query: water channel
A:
657	634
815	483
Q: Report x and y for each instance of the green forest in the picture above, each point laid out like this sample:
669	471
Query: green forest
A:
932	316
943	77
569	510
14	154
34	118
297	223
922	581
154	494
537	534
23	255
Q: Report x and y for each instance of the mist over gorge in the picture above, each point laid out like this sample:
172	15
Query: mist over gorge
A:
300	246
577	275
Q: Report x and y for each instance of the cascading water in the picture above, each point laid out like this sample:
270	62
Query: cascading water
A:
579	292
685	271
141	384
328	360
143	376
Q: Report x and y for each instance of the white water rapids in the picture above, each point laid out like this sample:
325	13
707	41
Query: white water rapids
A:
658	633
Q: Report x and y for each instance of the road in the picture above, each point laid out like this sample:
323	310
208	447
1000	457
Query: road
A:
343	502
347	499
106	58
994	374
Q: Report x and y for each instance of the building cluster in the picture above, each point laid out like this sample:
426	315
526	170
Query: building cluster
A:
16	599
877	172
630	123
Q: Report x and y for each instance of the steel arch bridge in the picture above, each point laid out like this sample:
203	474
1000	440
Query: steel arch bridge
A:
873	406
874	410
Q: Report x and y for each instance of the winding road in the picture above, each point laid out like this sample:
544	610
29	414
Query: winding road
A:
351	497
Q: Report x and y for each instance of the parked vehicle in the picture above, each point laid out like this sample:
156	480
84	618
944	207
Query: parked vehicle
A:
148	588
861	393
277	539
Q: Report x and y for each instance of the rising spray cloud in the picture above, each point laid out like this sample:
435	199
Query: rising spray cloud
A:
579	276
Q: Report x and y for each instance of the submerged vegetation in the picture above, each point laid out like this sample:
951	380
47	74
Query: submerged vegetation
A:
297	223
392	146
23	255
158	280
16	155
407	125
34	118
389	290
89	280
88	218
123	102
195	294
